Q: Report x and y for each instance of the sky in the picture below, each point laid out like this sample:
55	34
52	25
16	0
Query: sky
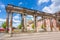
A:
48	6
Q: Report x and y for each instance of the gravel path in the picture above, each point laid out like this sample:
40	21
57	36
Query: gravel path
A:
33	36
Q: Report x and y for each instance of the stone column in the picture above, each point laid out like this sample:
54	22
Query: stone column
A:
7	22
10	24
23	22
55	24
51	24
35	21
59	26
44	23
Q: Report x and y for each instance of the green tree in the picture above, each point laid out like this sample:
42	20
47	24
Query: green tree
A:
42	26
20	26
33	26
4	25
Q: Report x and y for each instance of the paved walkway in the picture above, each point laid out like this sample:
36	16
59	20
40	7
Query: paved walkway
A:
2	34
33	36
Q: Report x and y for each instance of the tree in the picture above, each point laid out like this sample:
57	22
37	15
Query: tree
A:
20	26
33	26
4	25
42	26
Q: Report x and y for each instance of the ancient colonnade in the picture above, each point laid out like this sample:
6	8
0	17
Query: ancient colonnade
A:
24	11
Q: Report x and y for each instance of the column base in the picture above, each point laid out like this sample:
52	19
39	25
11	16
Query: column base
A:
11	34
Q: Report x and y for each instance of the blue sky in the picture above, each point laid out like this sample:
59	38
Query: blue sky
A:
41	5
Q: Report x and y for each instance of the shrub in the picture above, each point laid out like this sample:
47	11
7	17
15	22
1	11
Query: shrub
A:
33	26
20	26
4	25
42	26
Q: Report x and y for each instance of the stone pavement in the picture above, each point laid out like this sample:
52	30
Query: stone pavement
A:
33	36
2	34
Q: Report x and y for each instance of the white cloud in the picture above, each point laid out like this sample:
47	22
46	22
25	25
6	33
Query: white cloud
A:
15	24
20	3
42	1
16	16
0	11
2	5
16	20
54	7
32	8
47	9
29	16
2	20
38	18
